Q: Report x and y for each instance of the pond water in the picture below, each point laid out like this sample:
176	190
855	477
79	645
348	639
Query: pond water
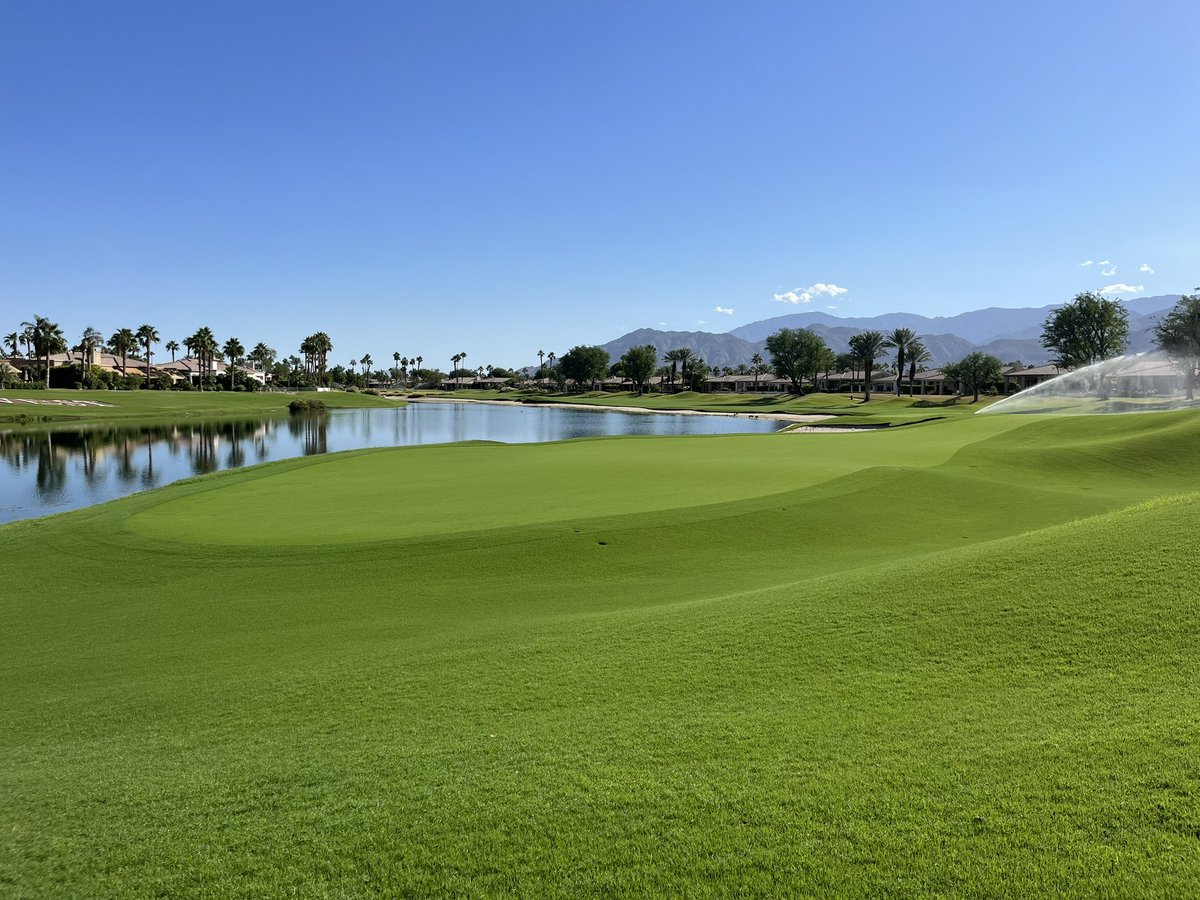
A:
48	471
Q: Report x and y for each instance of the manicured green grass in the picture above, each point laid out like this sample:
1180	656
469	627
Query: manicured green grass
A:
151	405
956	659
882	409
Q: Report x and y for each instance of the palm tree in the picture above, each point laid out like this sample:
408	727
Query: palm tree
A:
756	360
316	349
867	346
902	339
672	356
45	337
541	358
173	346
396	365
122	342
204	346
917	355
366	363
233	351
89	343
12	340
420	359
264	356
148	335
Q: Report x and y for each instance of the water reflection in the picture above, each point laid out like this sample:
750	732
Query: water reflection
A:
45	471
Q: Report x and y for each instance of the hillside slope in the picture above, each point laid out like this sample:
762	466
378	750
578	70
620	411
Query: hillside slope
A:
954	658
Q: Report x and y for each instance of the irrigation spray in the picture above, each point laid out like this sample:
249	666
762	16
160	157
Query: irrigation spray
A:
1144	382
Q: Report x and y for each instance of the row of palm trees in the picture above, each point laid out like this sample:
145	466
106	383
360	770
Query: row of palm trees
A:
43	338
868	346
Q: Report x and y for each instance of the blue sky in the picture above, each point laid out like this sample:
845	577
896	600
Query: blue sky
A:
506	177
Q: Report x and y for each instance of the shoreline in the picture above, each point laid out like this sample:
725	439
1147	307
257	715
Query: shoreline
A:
794	418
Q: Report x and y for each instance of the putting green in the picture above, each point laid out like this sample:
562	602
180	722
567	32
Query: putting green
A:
391	494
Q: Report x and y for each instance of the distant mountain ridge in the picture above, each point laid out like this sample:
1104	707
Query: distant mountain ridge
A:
1010	334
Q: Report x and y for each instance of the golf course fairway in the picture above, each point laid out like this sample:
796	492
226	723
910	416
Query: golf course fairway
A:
955	658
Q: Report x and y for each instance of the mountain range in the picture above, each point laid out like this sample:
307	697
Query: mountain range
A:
1013	335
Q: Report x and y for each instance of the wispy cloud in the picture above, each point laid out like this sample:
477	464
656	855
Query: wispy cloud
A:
1123	289
662	324
1145	267
1104	262
831	306
1088	262
702	321
808	294
724	310
1109	272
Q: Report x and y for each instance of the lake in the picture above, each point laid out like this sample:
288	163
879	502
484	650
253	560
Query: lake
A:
46	471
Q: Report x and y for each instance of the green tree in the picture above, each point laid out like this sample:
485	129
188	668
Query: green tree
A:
637	364
264	357
89	342
679	359
975	371
173	348
794	353
756	363
867	346
148	336
917	355
12	339
122	342
46	338
1085	331
1178	335
821	363
902	341
696	373
584	364
233	351
203	345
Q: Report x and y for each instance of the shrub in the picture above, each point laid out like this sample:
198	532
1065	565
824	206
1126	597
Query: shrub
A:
306	404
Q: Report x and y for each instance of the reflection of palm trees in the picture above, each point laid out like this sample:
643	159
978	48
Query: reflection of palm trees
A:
316	435
237	455
148	475
204	449
126	471
51	470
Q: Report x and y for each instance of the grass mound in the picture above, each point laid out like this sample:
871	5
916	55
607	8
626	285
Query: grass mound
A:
956	659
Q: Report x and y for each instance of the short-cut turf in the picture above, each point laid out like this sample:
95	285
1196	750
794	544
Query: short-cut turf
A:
158	405
955	658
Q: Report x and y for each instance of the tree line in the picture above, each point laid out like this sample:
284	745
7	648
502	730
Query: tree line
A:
1082	332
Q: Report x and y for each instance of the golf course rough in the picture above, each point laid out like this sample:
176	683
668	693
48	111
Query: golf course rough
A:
945	659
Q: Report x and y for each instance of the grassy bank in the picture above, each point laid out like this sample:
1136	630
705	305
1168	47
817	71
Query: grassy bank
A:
951	660
882	409
152	405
